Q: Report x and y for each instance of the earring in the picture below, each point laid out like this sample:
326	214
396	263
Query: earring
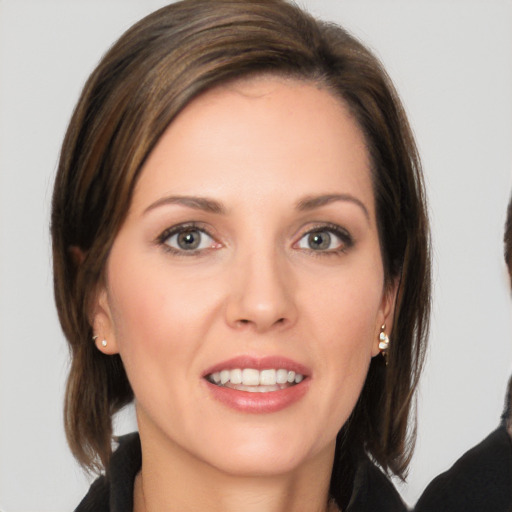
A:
103	342
384	343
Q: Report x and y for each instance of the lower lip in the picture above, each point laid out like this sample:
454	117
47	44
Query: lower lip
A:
258	403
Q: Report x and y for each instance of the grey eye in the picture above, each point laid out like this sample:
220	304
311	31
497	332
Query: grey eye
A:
322	240
189	240
319	241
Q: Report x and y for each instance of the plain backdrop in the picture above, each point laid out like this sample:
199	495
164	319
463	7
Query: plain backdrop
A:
452	64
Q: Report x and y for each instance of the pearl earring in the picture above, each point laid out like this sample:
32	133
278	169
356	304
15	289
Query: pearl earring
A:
103	342
384	343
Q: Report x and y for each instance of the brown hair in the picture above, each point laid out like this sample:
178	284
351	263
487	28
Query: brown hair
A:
153	71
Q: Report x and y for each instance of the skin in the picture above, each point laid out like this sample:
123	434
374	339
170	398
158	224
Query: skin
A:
260	149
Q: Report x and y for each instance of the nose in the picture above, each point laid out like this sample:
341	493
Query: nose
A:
262	295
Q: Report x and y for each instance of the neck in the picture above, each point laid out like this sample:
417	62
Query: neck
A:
174	480
251	498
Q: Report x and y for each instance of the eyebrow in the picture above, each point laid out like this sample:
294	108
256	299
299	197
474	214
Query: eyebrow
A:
197	203
213	206
312	202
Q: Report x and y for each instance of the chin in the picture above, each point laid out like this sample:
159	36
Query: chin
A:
264	456
269	465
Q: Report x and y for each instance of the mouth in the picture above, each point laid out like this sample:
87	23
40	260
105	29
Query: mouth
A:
253	380
258	385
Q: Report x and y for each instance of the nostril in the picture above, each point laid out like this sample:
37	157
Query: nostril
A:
245	321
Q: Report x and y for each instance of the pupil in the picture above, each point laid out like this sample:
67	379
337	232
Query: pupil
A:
189	240
319	240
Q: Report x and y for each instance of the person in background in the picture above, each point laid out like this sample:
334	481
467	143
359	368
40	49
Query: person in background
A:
481	480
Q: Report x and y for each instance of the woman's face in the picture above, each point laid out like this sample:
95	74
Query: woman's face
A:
249	258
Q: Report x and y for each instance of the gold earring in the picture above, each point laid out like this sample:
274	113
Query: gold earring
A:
384	343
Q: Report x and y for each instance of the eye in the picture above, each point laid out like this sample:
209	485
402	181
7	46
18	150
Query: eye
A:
326	239
186	238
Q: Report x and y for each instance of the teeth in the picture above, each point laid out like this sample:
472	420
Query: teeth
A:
265	379
224	376
236	376
250	377
282	376
268	377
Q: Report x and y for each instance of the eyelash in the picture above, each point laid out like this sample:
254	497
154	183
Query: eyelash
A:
342	234
163	238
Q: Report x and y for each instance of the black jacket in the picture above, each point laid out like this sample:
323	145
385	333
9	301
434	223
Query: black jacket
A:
372	491
480	481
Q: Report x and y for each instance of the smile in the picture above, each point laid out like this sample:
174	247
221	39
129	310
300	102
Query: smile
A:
258	385
255	381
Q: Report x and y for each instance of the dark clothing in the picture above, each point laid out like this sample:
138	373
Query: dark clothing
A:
114	492
372	491
480	481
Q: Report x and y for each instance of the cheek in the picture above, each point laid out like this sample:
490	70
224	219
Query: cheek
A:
348	311
160	324
154	312
347	316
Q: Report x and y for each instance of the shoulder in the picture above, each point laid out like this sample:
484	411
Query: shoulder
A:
373	490
113	492
480	480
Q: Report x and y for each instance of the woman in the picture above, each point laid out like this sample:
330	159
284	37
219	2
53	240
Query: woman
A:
239	229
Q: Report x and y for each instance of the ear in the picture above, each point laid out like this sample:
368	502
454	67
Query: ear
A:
386	313
77	255
102	322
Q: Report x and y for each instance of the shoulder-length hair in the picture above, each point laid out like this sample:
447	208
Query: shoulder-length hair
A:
148	76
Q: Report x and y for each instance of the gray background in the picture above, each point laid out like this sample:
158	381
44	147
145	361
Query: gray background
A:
452	64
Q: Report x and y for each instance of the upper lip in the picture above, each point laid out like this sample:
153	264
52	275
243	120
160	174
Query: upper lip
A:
259	363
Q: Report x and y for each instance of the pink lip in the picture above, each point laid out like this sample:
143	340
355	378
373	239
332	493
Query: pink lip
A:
248	402
245	401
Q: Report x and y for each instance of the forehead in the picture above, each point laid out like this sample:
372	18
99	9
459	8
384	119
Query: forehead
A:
254	134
